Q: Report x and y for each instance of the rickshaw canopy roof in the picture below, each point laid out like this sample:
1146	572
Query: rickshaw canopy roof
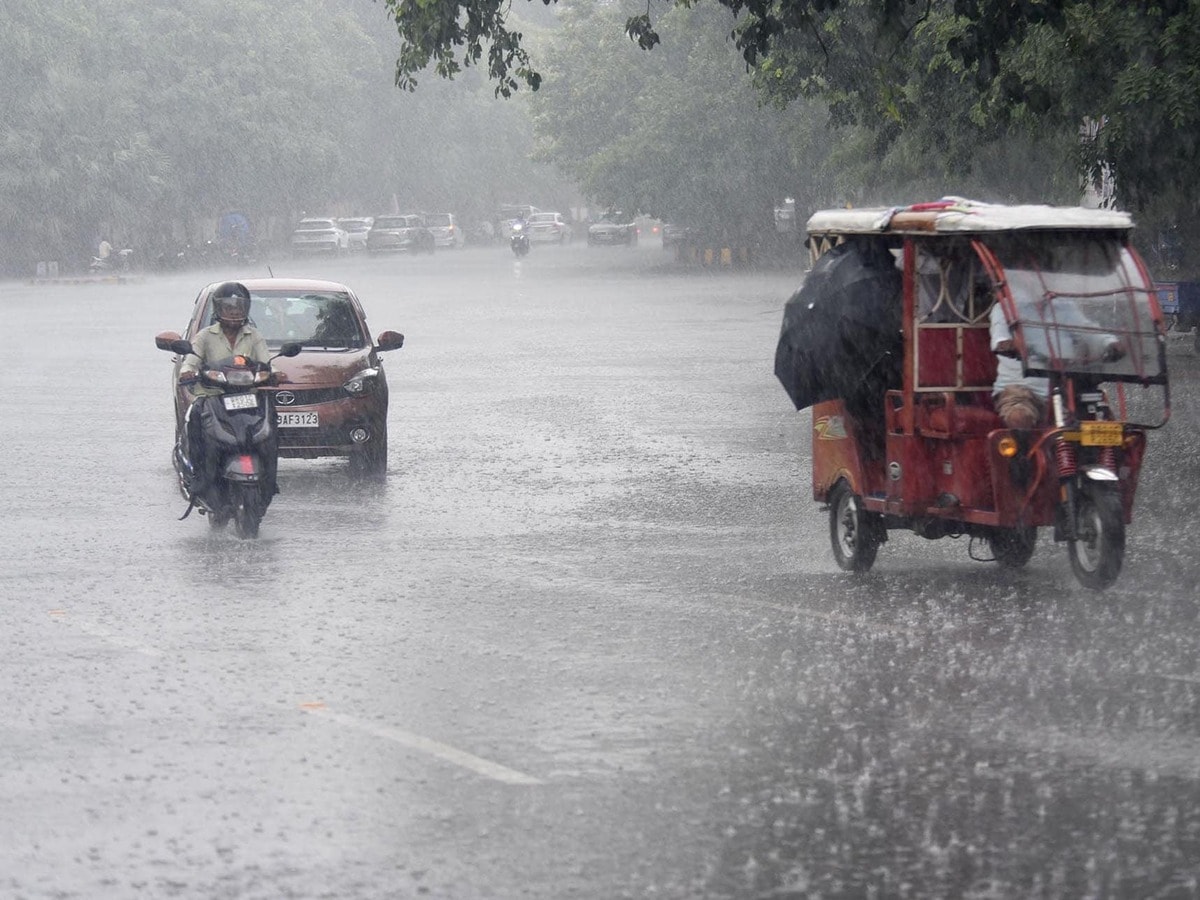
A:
955	215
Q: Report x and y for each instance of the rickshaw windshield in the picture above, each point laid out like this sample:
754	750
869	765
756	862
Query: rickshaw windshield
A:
1080	305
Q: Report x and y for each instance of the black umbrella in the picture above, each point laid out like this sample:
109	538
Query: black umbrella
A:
841	330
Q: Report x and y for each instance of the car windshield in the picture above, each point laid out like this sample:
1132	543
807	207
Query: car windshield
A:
315	225
438	220
316	319
541	218
355	225
390	222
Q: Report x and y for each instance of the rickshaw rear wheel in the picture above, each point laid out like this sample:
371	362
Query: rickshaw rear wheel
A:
855	533
1098	550
1012	548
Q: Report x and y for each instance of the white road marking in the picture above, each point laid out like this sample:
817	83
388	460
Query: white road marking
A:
444	752
105	634
441	751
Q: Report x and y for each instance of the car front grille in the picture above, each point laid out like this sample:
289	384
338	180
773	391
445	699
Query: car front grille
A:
310	397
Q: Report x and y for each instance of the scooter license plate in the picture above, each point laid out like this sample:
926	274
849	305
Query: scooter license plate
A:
240	401
297	420
1101	434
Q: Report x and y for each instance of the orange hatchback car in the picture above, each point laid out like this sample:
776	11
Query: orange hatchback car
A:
335	401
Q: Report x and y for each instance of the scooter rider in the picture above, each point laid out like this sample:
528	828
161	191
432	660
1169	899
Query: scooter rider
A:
231	335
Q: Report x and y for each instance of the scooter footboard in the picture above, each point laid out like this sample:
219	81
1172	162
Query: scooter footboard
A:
244	467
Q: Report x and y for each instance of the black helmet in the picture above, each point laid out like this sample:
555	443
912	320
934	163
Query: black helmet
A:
231	303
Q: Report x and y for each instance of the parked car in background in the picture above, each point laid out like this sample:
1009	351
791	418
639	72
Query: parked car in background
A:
400	234
677	235
508	214
319	236
335	400
357	229
612	228
445	230
548	228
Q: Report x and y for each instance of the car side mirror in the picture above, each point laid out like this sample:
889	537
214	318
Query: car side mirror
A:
172	343
390	340
291	348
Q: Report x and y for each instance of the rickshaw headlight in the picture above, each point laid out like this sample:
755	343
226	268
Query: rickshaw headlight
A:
1007	446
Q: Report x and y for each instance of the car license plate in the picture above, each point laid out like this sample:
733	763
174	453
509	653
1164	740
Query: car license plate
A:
240	401
1101	434
297	420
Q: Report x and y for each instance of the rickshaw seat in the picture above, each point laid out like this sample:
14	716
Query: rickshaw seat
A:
957	414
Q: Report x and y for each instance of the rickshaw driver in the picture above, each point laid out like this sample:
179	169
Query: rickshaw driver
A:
1020	400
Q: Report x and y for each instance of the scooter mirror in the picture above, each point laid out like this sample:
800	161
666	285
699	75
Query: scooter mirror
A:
173	343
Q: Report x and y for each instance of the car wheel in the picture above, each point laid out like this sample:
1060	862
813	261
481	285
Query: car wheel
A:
369	462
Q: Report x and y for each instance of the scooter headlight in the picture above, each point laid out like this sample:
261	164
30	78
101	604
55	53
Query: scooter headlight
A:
239	378
363	383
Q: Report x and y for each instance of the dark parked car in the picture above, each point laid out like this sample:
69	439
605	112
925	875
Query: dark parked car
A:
677	235
335	401
400	234
612	228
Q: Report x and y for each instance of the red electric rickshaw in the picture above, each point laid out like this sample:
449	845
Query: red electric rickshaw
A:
916	443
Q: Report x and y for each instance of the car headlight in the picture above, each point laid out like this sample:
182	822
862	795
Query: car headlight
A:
363	383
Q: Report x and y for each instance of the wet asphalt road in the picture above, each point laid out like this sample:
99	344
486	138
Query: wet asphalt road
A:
588	639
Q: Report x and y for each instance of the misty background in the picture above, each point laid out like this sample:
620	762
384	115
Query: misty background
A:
145	121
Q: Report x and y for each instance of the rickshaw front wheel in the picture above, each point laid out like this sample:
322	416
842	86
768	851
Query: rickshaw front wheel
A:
1098	550
855	533
1012	548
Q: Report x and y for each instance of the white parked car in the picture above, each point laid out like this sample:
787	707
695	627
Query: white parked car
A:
548	228
356	230
320	236
445	229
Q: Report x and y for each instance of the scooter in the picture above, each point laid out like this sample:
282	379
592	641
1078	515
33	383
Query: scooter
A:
519	240
235	478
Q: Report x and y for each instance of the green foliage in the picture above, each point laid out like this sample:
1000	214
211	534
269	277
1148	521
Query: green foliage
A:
678	134
146	119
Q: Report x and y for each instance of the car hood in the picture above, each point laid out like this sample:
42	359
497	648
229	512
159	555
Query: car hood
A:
322	367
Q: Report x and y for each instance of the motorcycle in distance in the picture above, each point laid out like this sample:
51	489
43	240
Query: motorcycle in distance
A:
238	427
898	340
519	240
116	261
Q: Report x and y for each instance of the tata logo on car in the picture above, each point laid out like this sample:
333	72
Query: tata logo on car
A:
285	398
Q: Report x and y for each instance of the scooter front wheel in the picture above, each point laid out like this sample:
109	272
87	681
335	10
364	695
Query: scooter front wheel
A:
1098	550
247	510
855	533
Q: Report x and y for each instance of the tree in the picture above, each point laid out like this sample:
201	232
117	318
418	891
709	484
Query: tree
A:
678	134
948	78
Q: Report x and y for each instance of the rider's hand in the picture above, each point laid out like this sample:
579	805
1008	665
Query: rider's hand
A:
279	378
188	378
1112	351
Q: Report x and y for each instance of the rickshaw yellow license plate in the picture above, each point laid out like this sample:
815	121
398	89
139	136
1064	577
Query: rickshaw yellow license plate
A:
1101	434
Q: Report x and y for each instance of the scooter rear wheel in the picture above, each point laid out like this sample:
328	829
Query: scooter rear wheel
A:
247	511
